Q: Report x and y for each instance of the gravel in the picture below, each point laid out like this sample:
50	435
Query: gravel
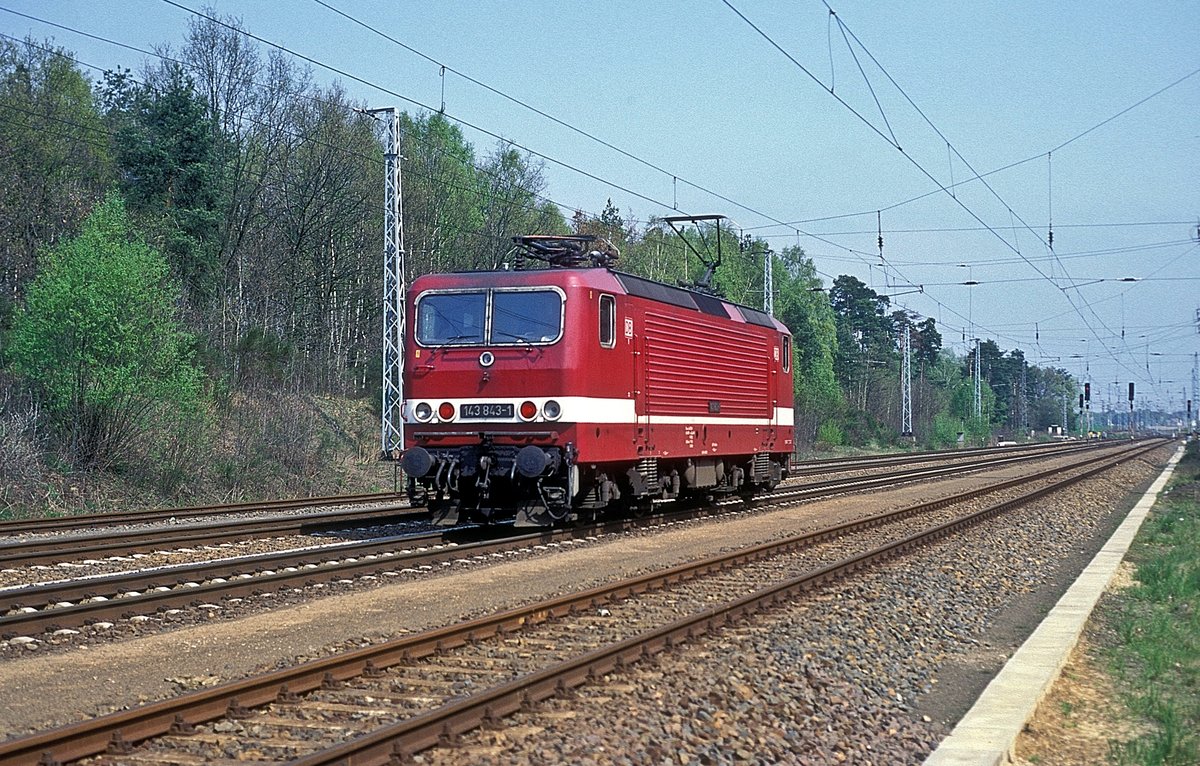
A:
827	680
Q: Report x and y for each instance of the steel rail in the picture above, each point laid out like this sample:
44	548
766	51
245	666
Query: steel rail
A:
837	464
178	715
92	520
51	550
111	585
819	489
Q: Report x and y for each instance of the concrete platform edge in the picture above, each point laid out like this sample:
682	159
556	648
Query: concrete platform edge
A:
987	734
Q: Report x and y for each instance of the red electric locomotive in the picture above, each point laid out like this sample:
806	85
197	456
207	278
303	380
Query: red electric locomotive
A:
545	393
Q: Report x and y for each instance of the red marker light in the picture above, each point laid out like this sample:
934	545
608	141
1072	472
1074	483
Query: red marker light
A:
446	411
528	410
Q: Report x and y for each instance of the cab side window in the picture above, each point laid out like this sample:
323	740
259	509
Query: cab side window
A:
608	321
787	353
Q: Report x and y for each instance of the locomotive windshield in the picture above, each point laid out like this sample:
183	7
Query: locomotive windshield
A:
446	319
489	317
529	316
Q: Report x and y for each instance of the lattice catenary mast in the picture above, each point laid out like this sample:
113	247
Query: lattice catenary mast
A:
393	292
769	282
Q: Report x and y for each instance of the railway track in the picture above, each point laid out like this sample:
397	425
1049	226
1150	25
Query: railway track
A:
55	549
858	462
68	605
393	500
396	699
986	461
164	515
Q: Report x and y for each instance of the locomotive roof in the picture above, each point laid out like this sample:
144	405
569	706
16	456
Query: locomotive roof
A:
689	299
641	287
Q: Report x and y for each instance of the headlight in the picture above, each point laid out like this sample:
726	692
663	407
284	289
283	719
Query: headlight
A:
552	410
423	412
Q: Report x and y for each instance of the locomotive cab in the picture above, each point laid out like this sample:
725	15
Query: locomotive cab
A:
488	430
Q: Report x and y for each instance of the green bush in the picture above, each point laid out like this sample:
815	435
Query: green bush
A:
945	431
100	341
830	434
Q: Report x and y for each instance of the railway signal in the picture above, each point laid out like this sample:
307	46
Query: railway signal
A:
1131	409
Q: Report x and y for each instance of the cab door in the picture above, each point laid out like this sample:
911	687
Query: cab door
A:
637	345
780	376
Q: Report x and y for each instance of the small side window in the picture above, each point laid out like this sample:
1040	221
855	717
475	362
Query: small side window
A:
608	321
787	353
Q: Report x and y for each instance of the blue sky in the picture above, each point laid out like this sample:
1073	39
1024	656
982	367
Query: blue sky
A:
692	88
